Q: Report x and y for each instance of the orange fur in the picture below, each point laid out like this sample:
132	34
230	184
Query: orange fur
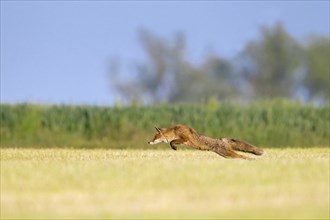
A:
226	147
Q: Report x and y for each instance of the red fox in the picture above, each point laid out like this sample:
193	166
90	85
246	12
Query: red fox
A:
181	134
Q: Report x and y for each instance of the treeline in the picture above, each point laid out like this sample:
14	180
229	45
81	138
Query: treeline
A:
277	123
271	66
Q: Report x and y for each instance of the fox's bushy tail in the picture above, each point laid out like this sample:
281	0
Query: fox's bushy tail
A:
245	147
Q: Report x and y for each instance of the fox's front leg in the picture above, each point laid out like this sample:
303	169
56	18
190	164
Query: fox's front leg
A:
176	141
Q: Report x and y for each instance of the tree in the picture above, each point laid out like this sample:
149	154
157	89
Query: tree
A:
273	60
153	80
168	76
317	79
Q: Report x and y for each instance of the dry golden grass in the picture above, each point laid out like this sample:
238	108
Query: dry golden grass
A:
90	184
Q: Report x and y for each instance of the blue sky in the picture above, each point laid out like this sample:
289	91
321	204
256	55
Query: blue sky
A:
58	52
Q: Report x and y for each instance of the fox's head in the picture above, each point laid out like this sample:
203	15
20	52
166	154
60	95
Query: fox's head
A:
159	137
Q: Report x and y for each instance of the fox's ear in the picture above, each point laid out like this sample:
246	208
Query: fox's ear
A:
158	129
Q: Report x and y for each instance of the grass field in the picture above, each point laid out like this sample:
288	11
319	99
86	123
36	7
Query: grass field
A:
71	183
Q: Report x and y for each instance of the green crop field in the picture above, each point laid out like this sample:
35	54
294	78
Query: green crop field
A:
104	183
274	123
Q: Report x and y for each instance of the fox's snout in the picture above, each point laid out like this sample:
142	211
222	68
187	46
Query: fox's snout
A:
159	137
155	141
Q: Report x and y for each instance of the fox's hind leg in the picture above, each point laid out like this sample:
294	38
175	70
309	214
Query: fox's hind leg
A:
226	153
